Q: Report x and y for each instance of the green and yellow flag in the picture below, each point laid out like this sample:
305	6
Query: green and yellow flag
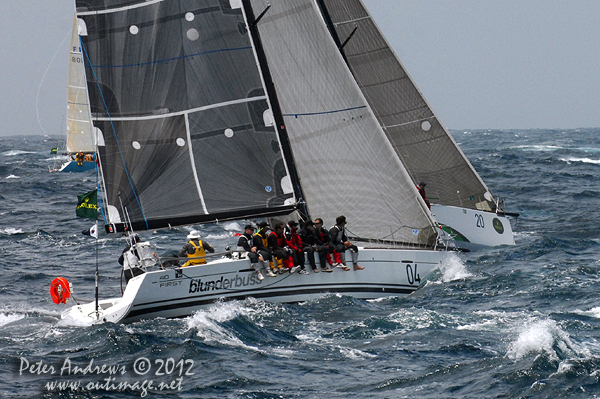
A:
87	205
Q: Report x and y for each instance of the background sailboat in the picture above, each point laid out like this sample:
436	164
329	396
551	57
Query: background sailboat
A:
80	137
461	201
209	111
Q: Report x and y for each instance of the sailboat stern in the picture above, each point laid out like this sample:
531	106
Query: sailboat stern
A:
109	310
468	229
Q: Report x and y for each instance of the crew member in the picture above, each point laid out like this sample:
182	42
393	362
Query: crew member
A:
195	250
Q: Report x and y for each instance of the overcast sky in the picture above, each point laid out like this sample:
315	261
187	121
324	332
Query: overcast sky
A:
479	63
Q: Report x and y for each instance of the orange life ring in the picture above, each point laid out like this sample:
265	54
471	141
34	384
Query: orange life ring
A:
59	290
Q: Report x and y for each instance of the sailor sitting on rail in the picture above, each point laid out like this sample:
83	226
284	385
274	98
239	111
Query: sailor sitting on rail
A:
246	243
195	250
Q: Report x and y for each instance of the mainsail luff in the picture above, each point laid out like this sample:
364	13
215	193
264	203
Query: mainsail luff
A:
345	162
261	60
79	127
177	96
426	148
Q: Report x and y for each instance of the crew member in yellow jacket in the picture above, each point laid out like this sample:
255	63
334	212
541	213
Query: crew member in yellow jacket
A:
195	250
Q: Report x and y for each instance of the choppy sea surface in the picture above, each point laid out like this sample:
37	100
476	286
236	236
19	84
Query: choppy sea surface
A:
505	322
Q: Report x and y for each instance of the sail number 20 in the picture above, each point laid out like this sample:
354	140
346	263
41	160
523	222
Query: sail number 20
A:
479	221
412	274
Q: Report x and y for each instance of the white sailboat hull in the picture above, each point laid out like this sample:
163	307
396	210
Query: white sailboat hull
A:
470	228
180	292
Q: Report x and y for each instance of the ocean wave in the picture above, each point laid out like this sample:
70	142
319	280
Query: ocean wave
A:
9	318
538	147
13	153
208	324
583	160
12	177
11	231
453	268
543	337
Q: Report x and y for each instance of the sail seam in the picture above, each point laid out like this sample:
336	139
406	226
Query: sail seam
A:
174	58
193	162
186	112
112	10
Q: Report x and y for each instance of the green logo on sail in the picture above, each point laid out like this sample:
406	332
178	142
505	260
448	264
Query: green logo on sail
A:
87	205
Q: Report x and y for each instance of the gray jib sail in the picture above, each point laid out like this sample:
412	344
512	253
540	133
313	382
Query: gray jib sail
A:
345	163
427	150
177	95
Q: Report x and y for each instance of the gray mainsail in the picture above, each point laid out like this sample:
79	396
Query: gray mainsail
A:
345	163
187	134
427	150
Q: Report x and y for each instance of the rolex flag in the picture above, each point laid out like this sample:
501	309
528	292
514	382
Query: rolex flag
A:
87	205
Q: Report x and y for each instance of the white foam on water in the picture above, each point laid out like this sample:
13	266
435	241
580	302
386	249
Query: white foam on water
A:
540	337
11	231
9	318
453	268
12	177
593	312
355	354
584	160
207	323
232	226
13	153
538	148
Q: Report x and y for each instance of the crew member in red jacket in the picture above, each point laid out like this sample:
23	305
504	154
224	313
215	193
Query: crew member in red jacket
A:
279	247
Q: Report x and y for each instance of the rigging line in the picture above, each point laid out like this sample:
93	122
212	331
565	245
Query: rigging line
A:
326	112
37	97
114	132
174	58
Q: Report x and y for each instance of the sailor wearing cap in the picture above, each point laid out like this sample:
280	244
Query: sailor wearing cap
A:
246	243
340	242
195	250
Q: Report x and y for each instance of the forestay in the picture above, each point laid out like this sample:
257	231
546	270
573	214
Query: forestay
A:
345	163
79	127
177	95
425	147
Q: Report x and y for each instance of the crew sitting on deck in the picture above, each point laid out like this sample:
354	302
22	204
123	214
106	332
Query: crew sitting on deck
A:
322	235
311	244
337	235
245	243
294	243
195	250
261	242
279	248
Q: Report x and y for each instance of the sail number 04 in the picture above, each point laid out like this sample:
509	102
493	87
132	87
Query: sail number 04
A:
412	274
